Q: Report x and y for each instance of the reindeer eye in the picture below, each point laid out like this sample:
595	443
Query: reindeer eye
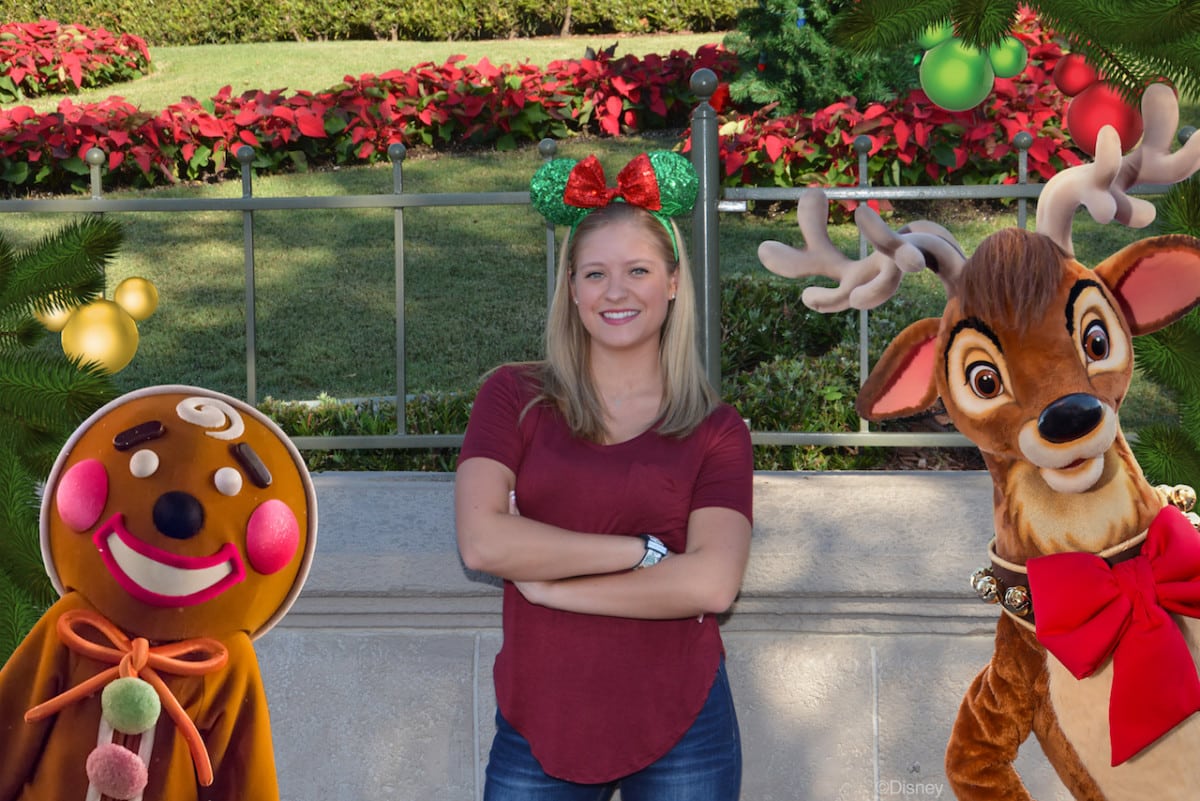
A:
1095	342
984	380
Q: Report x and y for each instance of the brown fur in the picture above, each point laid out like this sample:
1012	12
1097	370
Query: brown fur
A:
1013	275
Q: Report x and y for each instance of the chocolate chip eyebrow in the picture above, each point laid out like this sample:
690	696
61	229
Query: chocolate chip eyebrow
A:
142	432
259	475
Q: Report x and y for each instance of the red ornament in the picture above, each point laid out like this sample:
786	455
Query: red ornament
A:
1073	74
1099	105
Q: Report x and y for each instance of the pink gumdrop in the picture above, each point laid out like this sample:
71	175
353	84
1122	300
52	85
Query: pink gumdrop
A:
82	493
272	537
116	771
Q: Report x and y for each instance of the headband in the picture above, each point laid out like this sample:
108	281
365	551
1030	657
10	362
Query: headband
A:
564	191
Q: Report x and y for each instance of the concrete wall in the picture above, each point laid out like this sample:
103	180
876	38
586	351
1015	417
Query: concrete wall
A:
855	636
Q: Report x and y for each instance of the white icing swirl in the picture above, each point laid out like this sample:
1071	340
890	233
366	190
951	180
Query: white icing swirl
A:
212	413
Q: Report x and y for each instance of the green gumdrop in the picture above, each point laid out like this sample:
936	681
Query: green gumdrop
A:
956	76
1008	57
935	34
130	705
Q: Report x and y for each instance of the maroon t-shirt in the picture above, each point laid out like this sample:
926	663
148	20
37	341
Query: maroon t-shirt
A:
601	697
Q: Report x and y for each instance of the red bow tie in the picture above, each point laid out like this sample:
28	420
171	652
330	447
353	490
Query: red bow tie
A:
636	185
1087	611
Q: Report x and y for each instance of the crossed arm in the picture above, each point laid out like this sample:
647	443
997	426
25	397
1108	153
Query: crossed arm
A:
582	572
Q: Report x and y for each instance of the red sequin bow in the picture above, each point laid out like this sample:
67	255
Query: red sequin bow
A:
636	185
138	658
1087	611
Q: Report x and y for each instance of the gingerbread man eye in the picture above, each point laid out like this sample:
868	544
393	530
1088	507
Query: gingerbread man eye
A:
228	481
143	464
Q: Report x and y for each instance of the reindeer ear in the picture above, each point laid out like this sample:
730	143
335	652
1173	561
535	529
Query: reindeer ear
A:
903	382
1156	280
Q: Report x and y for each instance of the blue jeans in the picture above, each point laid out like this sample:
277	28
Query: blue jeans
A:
705	765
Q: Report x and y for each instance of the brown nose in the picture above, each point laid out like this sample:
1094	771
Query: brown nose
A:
1070	417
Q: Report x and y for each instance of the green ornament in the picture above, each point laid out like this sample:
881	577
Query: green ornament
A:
130	705
1008	57
935	34
956	76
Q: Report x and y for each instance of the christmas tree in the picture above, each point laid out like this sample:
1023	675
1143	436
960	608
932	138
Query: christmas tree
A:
786	57
44	396
1130	43
1169	452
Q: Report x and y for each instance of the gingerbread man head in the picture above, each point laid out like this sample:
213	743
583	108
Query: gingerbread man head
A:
180	512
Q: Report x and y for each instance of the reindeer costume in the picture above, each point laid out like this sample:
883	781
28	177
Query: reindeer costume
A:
1098	579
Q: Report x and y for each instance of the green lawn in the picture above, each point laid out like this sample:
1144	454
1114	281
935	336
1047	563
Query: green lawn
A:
313	66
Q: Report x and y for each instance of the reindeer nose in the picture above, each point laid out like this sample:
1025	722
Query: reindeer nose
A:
178	515
1070	417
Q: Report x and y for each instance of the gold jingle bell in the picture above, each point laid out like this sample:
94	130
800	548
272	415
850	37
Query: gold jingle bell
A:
1183	497
1016	600
985	585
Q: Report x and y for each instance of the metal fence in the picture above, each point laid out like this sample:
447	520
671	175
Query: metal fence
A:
712	201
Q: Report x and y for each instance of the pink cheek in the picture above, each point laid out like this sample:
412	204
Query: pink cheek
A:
272	537
82	493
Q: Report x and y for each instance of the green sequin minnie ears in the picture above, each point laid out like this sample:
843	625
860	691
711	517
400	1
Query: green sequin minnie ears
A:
564	191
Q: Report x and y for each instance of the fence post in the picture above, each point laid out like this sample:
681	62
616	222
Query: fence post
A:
94	158
862	146
547	149
396	153
1023	141
245	156
706	268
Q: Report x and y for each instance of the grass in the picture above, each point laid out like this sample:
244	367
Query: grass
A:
202	70
475	277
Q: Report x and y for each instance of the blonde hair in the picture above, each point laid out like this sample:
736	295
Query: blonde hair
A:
565	374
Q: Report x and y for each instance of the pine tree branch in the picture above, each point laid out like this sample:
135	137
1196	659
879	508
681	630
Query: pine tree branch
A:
877	25
1171	356
18	614
64	268
49	394
1131	42
983	23
20	542
1167	455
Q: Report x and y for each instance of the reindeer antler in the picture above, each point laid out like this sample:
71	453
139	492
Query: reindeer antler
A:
1103	185
862	283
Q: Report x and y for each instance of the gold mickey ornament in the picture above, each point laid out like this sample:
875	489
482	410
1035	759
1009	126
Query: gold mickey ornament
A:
105	331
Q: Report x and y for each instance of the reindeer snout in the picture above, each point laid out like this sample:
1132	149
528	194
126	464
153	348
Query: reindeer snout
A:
178	515
1070	417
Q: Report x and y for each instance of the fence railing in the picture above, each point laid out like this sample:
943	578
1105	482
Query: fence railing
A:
712	201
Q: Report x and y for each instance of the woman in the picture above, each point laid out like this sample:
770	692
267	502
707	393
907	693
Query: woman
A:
612	491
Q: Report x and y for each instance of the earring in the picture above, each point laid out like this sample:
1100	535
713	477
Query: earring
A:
671	298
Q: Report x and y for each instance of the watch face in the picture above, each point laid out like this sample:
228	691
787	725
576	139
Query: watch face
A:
655	551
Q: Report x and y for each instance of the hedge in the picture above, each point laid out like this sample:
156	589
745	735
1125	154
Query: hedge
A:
189	22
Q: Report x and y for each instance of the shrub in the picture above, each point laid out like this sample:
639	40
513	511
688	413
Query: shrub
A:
766	318
442	413
787	61
190	22
802	393
47	58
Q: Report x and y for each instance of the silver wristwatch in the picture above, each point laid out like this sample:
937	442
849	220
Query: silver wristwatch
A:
655	551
